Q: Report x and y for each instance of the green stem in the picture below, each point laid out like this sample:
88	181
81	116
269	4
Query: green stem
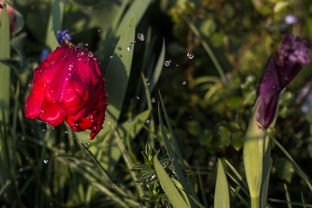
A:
255	202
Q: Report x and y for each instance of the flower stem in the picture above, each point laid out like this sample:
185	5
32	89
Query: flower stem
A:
255	202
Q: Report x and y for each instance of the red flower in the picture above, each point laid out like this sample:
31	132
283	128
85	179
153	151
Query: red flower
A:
68	85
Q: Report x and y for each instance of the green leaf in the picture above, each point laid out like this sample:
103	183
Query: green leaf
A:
55	23
4	54
174	153
168	186
222	197
253	154
158	67
118	69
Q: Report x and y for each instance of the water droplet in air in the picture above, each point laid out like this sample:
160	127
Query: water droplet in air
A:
167	63
190	56
45	161
141	37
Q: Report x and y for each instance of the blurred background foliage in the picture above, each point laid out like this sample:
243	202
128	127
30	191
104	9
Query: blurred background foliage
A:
206	58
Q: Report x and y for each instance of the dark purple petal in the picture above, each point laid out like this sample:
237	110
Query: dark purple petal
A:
281	68
291	57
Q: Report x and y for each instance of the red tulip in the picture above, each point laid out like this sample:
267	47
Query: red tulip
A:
68	85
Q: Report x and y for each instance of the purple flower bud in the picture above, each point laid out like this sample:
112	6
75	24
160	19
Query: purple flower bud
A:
291	56
63	36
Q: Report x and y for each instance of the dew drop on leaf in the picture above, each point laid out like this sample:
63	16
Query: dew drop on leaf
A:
45	161
141	37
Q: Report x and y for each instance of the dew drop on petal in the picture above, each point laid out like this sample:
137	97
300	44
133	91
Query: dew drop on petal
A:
90	54
81	53
141	37
190	56
167	63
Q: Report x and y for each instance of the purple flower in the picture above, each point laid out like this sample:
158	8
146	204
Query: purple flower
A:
290	19
63	36
291	56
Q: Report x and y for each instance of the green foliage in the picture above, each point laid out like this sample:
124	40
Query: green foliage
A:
156	151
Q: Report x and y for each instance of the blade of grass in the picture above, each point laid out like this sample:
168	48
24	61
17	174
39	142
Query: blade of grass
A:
300	172
173	152
289	205
208	50
168	186
221	197
4	70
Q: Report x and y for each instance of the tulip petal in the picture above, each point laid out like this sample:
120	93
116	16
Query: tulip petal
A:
52	113
34	102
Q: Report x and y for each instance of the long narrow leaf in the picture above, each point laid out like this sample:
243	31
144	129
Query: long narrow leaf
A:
222	197
168	186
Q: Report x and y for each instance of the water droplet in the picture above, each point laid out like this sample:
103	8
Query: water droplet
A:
81	53
111	57
86	44
153	100
29	85
141	37
137	97
66	132
91	117
66	78
130	47
71	66
129	120
184	83
99	30
177	65
45	161
167	63
90	54
94	59
147	121
190	56
113	185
